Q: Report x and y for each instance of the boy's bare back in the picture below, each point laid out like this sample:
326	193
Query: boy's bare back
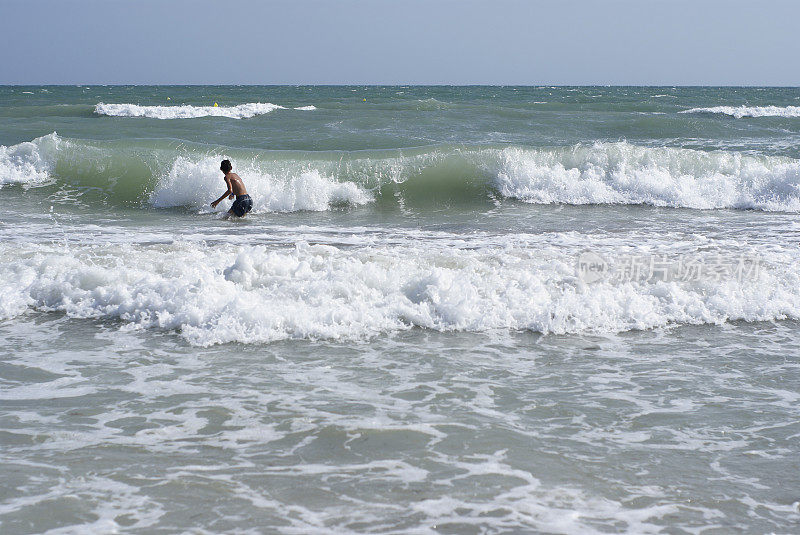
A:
236	184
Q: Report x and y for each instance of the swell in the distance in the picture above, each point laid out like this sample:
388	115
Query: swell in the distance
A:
241	111
749	111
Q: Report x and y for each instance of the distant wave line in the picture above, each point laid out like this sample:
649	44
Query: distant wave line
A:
750	111
241	111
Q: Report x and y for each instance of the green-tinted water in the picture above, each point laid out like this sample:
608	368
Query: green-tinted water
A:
400	337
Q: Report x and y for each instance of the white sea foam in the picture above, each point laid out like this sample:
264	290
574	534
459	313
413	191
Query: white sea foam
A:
256	294
194	183
750	111
622	173
30	162
242	111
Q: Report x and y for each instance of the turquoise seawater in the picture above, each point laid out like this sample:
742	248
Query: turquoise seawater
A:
452	310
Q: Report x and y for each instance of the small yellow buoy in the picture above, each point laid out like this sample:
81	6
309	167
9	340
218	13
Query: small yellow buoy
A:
365	100
216	105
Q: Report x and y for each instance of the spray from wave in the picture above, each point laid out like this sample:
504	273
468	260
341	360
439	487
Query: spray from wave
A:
242	111
622	173
750	111
191	183
29	163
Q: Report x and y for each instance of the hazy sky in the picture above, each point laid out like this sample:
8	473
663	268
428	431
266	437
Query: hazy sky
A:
653	42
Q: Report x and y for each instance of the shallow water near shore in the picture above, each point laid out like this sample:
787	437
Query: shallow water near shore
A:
682	430
400	338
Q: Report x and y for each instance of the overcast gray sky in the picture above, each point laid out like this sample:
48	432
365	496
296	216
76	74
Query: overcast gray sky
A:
651	42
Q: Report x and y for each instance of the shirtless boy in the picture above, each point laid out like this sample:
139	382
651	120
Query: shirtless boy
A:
243	202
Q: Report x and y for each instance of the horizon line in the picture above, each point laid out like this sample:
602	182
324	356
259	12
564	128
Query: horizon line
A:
394	85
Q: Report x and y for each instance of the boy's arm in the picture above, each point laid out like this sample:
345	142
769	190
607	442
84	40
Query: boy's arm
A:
228	192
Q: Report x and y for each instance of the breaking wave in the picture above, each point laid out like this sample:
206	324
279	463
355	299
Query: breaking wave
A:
30	162
192	183
167	174
622	173
750	111
242	111
226	293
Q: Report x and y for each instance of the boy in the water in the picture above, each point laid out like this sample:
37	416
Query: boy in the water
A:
243	202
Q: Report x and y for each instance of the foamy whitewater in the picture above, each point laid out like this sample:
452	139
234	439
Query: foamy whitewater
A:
241	111
452	310
750	111
244	294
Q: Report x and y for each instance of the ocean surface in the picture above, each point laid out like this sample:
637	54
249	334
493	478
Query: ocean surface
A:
453	310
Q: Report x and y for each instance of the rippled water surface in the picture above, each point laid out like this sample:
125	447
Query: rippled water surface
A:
399	338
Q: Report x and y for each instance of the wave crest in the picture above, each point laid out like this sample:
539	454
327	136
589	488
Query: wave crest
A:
242	111
750	111
176	174
30	162
622	173
195	183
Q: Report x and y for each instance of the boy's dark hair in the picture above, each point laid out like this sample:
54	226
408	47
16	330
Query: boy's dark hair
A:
225	166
